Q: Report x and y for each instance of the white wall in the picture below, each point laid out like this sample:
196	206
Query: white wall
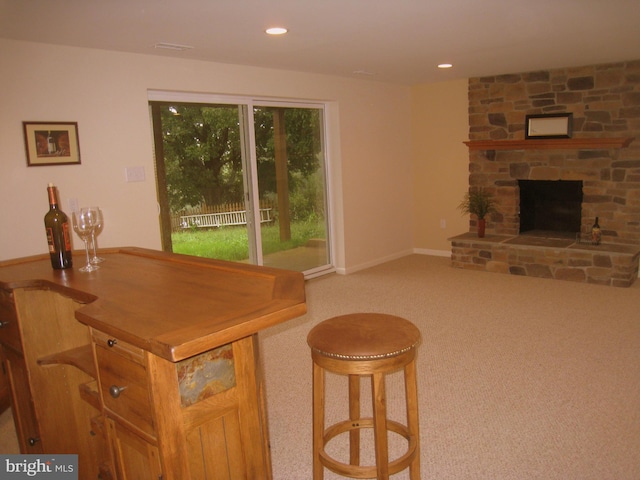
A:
106	93
440	124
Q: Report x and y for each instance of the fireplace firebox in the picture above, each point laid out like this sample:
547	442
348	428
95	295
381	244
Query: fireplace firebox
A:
550	207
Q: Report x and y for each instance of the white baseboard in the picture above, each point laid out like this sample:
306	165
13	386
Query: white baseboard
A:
395	256
373	263
434	253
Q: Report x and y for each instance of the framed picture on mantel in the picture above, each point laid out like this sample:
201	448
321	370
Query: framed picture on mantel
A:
555	125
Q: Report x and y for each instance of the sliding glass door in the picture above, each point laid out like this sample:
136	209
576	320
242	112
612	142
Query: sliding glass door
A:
242	181
291	176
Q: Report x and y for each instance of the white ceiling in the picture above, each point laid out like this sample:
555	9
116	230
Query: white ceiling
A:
399	41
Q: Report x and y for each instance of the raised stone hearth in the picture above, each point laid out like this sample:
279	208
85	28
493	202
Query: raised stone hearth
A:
556	258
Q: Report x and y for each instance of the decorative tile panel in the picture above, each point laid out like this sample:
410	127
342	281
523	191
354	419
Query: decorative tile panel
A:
205	375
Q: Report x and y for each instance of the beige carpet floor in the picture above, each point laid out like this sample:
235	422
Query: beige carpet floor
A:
519	378
8	440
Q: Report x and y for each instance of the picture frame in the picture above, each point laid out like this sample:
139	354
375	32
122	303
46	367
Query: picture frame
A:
51	143
554	125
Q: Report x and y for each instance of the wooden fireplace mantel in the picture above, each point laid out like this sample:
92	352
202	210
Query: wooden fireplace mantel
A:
549	144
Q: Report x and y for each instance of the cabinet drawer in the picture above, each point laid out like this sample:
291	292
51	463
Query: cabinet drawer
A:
125	387
9	331
124	349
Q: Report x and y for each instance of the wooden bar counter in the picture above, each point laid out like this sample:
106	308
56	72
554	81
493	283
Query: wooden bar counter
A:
147	367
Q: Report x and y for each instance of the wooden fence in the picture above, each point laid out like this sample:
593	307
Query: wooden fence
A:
207	216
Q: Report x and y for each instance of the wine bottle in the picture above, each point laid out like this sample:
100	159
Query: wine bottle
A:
596	233
51	144
56	224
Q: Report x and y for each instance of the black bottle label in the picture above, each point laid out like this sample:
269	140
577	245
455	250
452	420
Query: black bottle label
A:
65	236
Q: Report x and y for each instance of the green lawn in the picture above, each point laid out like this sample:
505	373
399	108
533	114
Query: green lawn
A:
231	243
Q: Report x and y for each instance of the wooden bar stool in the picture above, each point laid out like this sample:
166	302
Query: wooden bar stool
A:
365	344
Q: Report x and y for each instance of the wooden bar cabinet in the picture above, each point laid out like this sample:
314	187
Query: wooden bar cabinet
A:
147	368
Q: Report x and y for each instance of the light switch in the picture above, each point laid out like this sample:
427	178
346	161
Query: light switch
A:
73	205
134	174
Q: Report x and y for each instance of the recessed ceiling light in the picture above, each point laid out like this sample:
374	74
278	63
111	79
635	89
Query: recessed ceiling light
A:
276	31
445	65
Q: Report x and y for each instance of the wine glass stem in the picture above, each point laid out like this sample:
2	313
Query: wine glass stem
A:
86	248
93	244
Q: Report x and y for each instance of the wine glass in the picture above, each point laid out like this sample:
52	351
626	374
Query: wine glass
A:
83	226
98	220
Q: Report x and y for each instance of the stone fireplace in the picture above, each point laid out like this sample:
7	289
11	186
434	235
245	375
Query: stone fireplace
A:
601	162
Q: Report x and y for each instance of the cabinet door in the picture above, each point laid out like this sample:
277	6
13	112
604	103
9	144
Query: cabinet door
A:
9	335
134	457
5	390
9	329
22	403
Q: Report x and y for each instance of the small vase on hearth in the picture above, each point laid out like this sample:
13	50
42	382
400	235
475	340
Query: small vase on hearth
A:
480	203
482	224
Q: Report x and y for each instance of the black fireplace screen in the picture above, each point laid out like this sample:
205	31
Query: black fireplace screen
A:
550	205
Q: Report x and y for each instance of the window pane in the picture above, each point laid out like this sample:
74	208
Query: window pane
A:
291	181
204	172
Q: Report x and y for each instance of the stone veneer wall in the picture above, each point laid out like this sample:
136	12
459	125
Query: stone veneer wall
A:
605	102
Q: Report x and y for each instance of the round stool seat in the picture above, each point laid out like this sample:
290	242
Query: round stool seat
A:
363	336
371	345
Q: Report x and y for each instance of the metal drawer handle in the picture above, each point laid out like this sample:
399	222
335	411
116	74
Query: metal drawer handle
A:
115	390
33	440
111	342
4	323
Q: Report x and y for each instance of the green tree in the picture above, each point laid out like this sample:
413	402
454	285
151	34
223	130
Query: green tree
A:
203	155
304	145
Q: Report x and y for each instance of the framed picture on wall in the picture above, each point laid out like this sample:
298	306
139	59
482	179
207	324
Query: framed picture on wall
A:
51	143
555	125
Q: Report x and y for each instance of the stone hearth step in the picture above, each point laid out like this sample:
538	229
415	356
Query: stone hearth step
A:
556	258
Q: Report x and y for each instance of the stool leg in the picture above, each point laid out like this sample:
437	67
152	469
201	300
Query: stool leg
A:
413	422
354	416
318	421
380	425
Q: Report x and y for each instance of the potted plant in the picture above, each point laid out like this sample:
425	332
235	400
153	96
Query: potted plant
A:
479	203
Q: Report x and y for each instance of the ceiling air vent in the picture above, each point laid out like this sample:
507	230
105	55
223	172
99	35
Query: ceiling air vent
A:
172	46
